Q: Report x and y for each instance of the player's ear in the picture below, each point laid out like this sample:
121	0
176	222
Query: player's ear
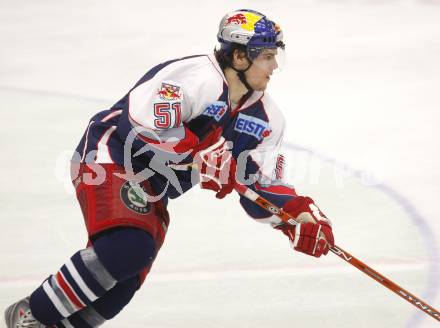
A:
239	59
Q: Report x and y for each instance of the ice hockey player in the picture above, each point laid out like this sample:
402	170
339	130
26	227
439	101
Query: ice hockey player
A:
196	120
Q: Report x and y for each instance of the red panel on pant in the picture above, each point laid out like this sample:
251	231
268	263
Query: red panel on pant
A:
116	201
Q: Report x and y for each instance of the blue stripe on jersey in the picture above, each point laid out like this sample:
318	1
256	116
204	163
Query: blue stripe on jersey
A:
263	111
152	72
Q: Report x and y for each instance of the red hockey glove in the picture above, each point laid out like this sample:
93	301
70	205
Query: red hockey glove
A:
216	165
313	236
190	144
210	139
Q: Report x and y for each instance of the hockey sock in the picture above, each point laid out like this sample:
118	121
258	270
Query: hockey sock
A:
90	273
105	308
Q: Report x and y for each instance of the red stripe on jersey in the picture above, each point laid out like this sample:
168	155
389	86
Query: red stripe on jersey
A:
277	189
113	128
182	146
111	115
69	292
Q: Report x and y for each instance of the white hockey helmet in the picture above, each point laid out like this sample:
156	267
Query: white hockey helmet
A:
250	28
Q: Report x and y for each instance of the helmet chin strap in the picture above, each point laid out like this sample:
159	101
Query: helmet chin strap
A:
242	77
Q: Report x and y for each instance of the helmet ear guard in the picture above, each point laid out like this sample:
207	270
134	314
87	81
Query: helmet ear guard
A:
240	37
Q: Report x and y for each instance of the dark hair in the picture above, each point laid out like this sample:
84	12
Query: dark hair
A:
224	55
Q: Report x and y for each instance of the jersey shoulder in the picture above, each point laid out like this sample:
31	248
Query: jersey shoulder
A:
196	75
204	83
186	84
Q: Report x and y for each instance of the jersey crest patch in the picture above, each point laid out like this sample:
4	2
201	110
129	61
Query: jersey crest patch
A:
216	110
252	126
134	197
169	92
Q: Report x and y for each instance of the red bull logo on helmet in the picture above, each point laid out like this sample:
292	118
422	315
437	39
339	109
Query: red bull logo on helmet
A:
236	19
169	92
252	126
246	20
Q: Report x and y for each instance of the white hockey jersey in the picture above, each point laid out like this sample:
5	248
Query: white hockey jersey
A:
190	93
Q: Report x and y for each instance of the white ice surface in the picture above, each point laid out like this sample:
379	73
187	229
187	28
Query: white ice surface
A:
360	91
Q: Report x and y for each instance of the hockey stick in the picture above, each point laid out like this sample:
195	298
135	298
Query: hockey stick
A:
286	218
347	257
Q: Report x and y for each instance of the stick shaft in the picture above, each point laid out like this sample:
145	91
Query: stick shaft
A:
286	218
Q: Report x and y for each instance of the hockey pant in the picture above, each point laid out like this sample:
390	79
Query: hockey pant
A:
125	235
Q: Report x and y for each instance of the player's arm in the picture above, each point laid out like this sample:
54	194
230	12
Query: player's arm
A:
265	167
160	108
313	236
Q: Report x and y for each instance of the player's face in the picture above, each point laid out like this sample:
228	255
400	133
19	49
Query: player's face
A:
258	75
